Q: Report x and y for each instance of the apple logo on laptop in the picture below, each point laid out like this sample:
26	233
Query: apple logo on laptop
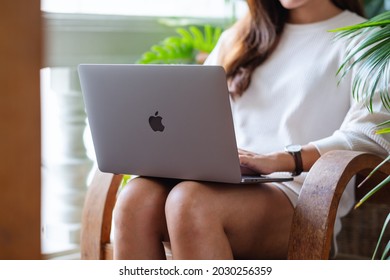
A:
156	122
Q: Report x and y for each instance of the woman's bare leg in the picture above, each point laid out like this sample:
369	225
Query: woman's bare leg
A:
217	221
139	219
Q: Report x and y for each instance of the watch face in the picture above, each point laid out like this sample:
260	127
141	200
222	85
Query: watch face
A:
293	148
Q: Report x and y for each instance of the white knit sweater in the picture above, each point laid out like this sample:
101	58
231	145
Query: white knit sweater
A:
294	98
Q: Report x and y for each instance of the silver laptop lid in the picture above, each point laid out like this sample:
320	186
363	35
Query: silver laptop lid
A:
169	121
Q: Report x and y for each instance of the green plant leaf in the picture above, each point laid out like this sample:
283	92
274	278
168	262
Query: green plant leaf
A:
384	123
367	42
381	236
383	131
126	178
371	59
362	25
375	170
198	39
373	191
352	31
183	48
386	251
208	34
185	34
374	47
160	50
373	62
171	50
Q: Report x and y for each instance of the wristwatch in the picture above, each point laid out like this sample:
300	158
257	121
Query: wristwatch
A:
295	151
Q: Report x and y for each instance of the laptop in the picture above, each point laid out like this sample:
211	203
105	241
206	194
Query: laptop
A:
170	121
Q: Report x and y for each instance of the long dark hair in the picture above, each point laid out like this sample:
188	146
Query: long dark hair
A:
257	36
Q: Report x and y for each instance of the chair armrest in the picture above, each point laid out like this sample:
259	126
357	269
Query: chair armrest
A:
315	213
97	214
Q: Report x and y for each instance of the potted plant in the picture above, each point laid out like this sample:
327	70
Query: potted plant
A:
192	45
370	58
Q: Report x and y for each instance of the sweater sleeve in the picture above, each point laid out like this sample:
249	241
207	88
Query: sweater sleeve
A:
358	131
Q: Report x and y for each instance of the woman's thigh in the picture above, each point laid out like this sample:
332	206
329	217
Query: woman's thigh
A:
255	218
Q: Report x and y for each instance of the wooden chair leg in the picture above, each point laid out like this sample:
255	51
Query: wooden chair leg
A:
97	214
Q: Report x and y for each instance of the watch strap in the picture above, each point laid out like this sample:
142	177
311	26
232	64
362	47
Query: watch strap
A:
298	163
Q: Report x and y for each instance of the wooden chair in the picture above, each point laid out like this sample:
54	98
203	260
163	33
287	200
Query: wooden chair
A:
313	222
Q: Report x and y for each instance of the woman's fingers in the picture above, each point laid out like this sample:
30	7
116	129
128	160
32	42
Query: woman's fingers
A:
248	162
258	163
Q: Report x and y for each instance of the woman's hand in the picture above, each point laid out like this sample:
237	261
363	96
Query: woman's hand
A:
264	164
275	162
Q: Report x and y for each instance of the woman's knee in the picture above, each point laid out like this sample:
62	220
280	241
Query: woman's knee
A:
188	204
141	199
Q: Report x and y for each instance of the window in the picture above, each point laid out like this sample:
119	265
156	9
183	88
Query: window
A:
171	8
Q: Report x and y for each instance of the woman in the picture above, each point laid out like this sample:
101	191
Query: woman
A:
281	64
